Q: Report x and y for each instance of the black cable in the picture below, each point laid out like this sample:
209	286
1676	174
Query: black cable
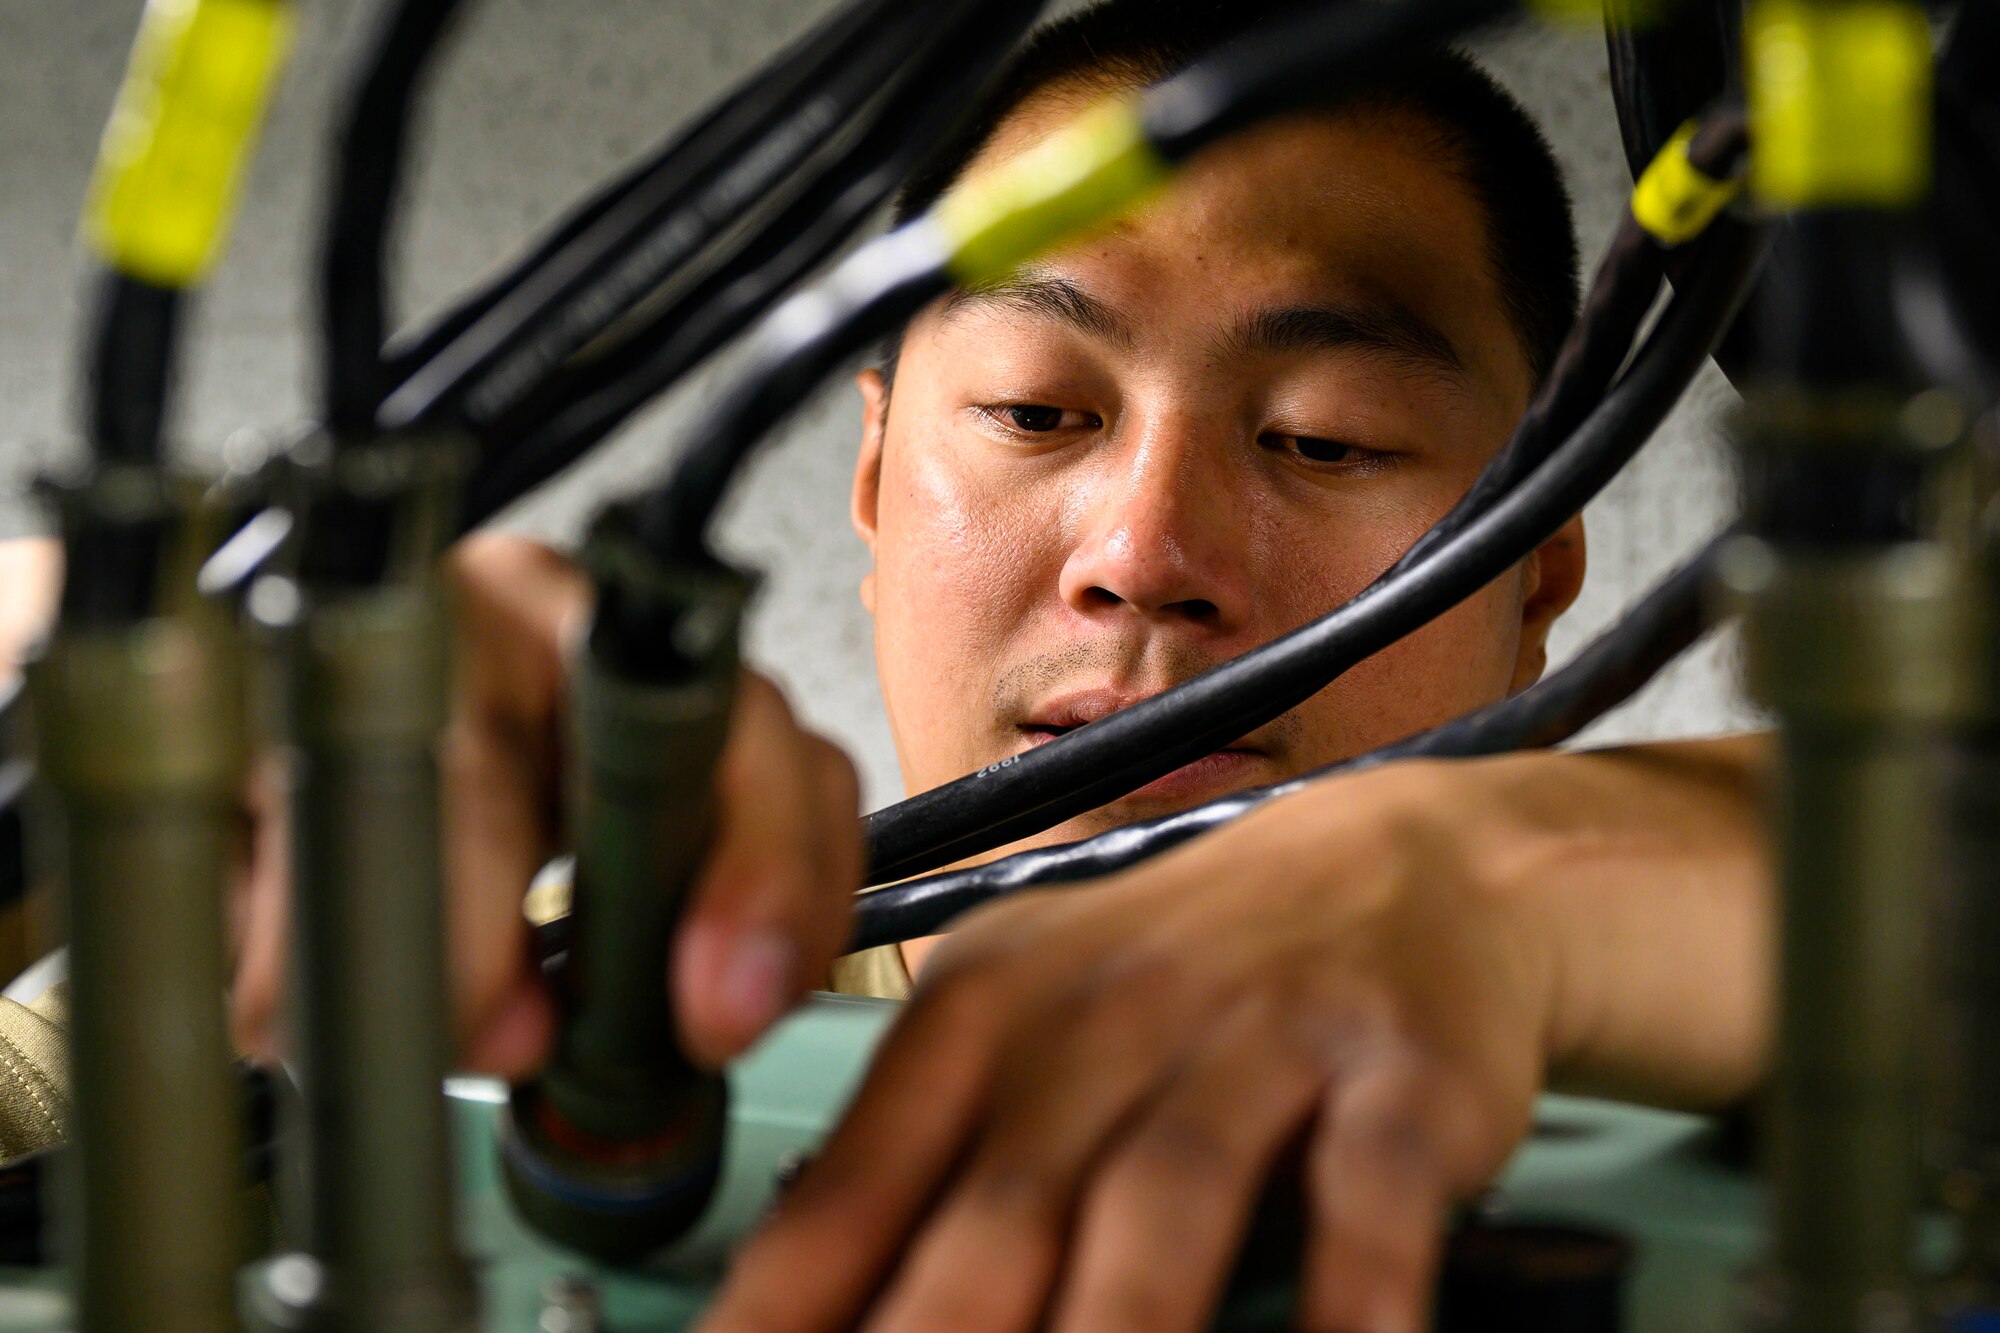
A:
114	560
716	133
593	401
866	296
1291	63
1607	672
368	163
924	99
1117	754
587	403
1621	293
131	340
646	236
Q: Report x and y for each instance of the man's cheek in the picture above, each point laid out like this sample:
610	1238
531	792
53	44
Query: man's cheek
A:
970	553
1459	662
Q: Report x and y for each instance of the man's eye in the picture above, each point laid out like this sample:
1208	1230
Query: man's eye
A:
1315	450
1034	417
1327	451
1039	418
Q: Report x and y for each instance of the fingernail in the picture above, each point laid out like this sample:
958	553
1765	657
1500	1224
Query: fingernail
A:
756	982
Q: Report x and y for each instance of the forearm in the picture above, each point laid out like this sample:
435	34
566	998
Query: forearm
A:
1646	868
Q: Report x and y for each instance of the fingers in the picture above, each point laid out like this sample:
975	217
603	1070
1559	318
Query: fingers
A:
260	916
499	763
771	907
1160	1227
816	1263
1073	1074
500	833
31	572
1390	1155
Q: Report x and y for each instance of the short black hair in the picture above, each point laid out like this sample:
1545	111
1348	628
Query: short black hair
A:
1491	143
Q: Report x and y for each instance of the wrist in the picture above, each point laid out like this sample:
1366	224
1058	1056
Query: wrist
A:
1643	871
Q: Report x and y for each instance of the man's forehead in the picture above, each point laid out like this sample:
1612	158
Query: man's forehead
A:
1372	325
1314	231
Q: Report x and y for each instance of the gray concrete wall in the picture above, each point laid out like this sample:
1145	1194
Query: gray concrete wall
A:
539	99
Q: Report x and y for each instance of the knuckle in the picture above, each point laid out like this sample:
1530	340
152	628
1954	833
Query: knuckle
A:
1178	1154
1017	1183
757	695
978	955
963	989
1349	1020
1001	924
837	773
1402	1122
1140	982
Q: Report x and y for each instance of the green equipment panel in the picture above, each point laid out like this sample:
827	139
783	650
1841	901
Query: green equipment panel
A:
1653	1175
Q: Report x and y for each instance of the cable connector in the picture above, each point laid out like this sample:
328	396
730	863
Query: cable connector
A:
180	132
1840	103
615	1149
1095	166
1675	200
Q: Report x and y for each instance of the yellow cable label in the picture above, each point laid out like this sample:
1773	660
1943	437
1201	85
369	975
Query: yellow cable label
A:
1099	163
180	131
1840	102
1675	200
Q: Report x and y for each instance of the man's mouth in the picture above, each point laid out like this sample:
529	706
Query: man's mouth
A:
1227	769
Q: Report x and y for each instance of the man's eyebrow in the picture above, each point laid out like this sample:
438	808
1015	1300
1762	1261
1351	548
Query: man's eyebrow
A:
1051	297
1390	332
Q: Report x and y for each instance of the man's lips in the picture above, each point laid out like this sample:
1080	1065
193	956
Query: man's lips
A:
1080	708
1225	768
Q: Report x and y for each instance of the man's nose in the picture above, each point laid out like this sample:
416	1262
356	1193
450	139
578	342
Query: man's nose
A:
1160	531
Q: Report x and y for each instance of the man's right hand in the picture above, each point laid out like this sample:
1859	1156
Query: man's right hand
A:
768	914
1070	1122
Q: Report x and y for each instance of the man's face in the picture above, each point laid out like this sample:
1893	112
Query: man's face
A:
1187	436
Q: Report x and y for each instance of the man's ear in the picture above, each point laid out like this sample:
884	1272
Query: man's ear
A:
868	469
1550	581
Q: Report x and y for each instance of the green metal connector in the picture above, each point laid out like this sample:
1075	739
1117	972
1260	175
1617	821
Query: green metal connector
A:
142	747
1863	651
614	1151
364	675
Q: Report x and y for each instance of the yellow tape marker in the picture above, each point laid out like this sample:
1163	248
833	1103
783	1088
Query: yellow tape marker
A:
1840	103
1675	200
180	131
1096	165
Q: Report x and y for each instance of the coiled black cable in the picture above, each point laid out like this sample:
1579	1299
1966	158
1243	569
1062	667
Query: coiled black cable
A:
1608	671
579	406
662	222
1117	754
718	132
1620	294
368	164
